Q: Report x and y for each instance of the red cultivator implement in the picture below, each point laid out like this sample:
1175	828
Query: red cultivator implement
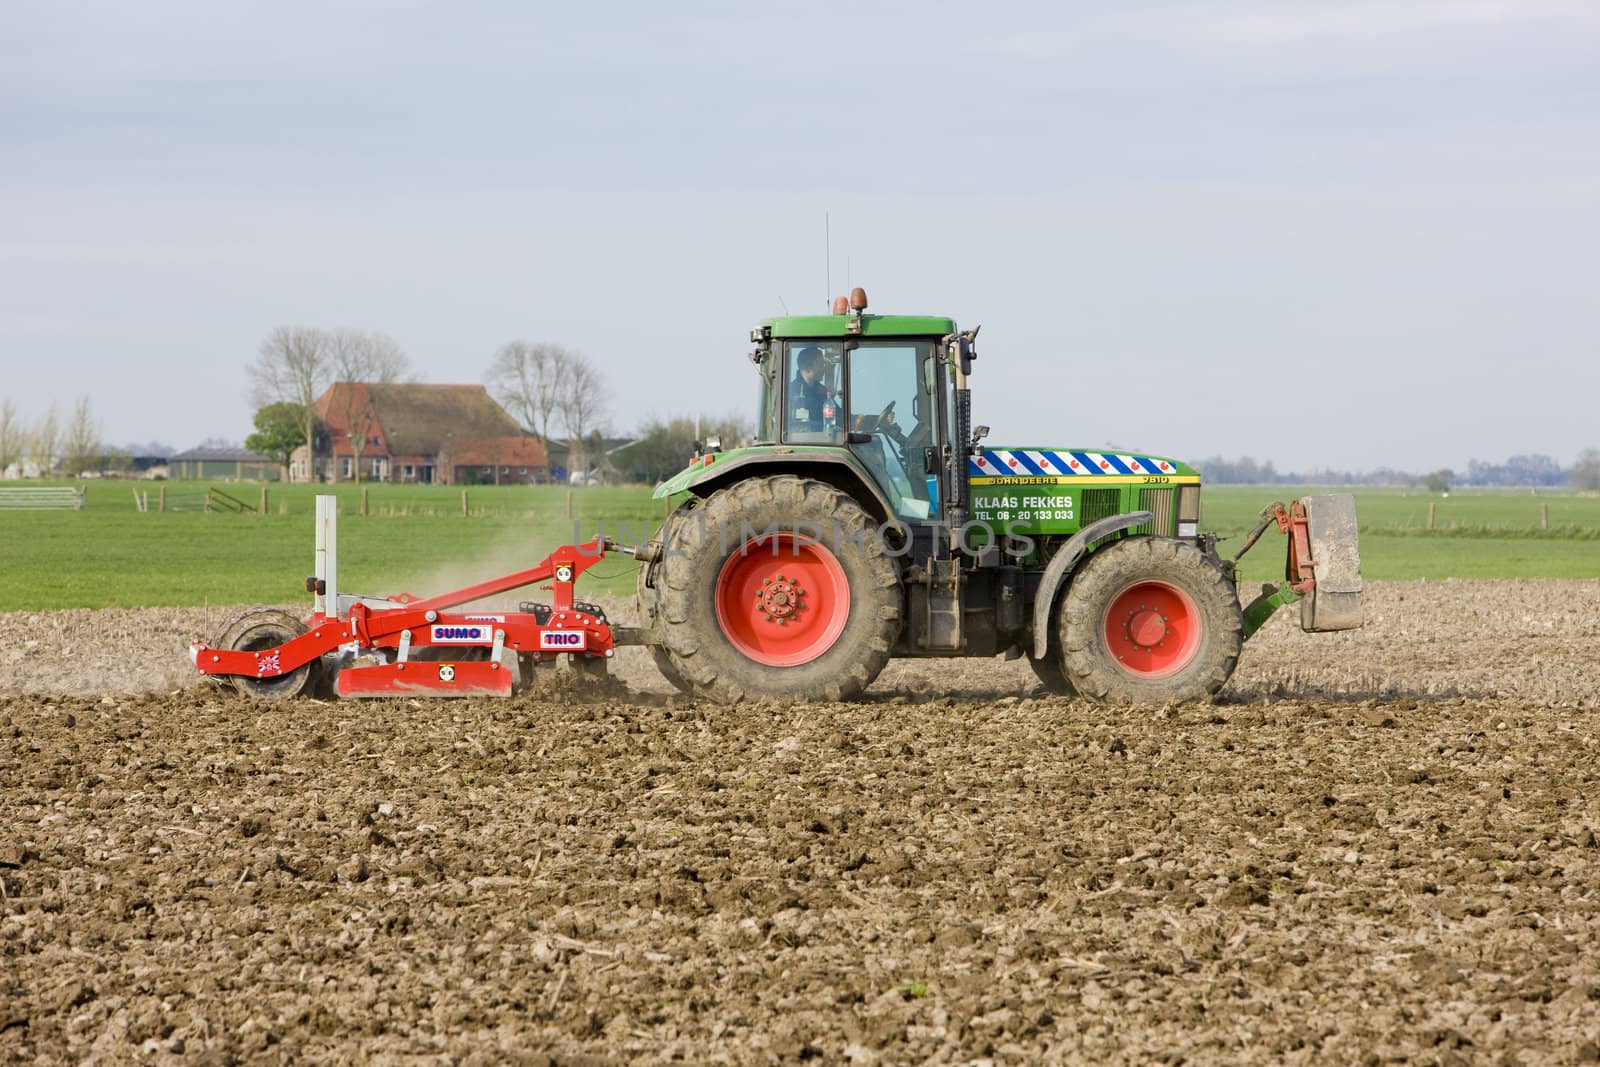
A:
360	646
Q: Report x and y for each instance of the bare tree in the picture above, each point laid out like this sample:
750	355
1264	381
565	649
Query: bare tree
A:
359	357
293	366
582	401
11	435
42	441
81	446
528	378
1586	472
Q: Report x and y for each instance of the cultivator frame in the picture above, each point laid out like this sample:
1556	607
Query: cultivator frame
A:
369	645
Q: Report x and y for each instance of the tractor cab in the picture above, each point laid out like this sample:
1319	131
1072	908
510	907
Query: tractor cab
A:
868	388
877	398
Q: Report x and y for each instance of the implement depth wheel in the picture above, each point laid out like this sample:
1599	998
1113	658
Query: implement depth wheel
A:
776	588
1150	620
258	628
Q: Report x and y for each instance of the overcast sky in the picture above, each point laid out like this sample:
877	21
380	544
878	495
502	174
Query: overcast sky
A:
1330	234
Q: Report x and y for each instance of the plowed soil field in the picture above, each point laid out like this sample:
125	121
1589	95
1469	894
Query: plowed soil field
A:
1378	846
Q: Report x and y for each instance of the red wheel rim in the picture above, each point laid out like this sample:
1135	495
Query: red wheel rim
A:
1152	629
782	600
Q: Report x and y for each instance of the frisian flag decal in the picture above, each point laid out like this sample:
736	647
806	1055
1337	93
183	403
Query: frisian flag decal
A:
1030	463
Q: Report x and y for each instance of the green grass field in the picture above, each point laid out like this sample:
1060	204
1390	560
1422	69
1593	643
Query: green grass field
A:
415	539
1476	534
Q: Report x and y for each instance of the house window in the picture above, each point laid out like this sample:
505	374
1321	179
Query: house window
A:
410	471
347	468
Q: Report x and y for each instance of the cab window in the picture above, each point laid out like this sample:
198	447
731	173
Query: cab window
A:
813	407
892	419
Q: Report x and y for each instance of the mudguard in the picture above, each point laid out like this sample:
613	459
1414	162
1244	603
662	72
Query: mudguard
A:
837	466
1061	565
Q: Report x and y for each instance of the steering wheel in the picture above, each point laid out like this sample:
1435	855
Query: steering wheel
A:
880	422
883	423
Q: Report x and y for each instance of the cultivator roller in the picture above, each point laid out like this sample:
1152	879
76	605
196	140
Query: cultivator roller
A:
361	646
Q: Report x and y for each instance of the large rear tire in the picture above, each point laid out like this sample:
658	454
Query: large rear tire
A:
776	588
647	609
1150	620
258	628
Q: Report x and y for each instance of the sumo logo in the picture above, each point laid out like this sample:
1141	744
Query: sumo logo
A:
562	640
460	635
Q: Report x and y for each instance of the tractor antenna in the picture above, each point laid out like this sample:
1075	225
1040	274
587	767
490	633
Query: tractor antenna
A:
827	256
783	305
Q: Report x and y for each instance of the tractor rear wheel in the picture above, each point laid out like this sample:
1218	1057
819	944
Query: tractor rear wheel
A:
258	628
647	609
1150	620
776	588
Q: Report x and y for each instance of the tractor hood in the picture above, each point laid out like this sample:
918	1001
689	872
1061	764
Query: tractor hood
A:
1005	463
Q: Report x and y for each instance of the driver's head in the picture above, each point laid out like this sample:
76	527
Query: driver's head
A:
808	361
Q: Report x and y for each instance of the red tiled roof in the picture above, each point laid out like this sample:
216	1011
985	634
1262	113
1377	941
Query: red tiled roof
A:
413	418
498	452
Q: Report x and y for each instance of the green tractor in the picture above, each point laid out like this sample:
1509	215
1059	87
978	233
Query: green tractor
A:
868	520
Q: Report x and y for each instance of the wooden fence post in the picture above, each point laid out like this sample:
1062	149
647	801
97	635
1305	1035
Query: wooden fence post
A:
163	498
363	501
1430	515
263	500
208	499
463	502
1544	516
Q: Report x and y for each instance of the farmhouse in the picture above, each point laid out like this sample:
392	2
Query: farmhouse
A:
413	432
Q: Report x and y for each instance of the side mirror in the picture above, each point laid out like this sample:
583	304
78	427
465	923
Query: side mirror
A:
978	434
968	344
930	461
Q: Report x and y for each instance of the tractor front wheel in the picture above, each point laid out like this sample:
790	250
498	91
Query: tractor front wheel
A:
776	588
1150	620
648	606
1048	670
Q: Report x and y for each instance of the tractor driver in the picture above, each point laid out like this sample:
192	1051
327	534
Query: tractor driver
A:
808	394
